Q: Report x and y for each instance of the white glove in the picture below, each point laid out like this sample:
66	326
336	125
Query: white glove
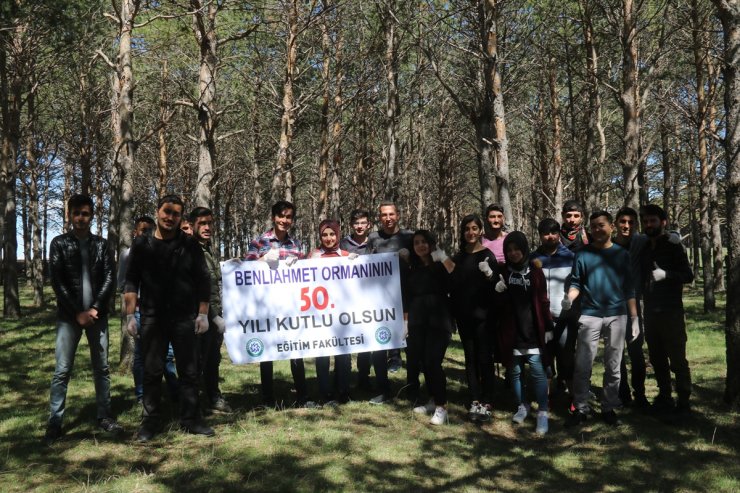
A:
674	237
549	336
235	260
132	327
316	254
290	260
273	257
658	273
566	303
500	285
439	255
353	255
405	328
201	323
485	268
220	324
635	328
404	254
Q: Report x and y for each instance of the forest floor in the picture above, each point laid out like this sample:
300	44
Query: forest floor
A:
356	447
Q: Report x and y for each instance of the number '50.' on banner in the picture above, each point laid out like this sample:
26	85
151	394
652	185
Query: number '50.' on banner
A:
316	307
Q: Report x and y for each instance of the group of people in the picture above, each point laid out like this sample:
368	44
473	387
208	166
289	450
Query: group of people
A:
546	308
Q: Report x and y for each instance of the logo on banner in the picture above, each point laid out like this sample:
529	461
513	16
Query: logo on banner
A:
383	335
255	347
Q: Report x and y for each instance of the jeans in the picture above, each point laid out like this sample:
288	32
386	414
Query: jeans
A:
536	372
156	336
68	338
170	372
590	331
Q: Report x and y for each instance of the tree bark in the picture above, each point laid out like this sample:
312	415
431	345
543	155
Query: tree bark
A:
392	105
629	100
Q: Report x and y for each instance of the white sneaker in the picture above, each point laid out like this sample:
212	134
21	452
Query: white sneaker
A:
379	399
427	408
542	426
440	416
521	414
474	411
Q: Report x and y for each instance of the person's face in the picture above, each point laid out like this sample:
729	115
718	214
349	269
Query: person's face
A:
388	217
203	227
186	227
169	217
513	254
653	225
496	219
284	221
142	228
626	226
360	226
573	219
81	217
601	230
471	233
421	246
328	238
550	239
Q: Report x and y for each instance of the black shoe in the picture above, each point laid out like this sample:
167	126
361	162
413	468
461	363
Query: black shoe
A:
53	433
221	406
610	418
576	419
144	434
109	425
641	402
663	404
197	428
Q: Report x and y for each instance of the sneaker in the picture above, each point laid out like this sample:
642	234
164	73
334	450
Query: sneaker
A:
576	419
440	416
333	404
221	406
53	433
542	425
394	366
427	408
474	411
197	428
144	434
484	413
308	405
521	414
610	418
109	425
379	399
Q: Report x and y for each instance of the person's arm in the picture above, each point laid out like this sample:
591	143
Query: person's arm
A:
108	285
132	277
682	271
59	282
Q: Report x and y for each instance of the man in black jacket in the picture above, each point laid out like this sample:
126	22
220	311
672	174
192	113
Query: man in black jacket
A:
665	269
83	281
169	271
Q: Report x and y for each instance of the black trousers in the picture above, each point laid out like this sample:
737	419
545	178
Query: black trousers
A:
210	362
477	341
665	333
379	360
342	370
156	334
297	369
425	352
637	365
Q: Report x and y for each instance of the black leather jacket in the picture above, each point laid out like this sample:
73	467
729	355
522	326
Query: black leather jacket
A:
66	274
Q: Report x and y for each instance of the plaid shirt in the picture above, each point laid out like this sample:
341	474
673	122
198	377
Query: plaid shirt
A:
259	247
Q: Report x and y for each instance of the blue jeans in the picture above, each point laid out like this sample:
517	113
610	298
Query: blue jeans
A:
68	338
170	371
536	372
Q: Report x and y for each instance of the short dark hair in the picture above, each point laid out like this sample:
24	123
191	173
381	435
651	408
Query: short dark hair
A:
571	206
600	213
548	225
388	203
280	206
144	219
80	200
653	210
357	214
199	212
495	207
170	199
626	211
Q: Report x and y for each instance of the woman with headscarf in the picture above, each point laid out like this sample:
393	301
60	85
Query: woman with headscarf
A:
525	326
329	238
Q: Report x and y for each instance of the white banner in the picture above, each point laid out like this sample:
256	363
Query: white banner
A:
316	307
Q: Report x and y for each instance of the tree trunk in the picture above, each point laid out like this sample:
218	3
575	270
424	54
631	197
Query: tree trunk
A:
729	14
162	155
36	276
557	161
629	100
392	105
324	146
283	181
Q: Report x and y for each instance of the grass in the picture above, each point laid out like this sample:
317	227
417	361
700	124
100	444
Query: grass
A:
357	447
